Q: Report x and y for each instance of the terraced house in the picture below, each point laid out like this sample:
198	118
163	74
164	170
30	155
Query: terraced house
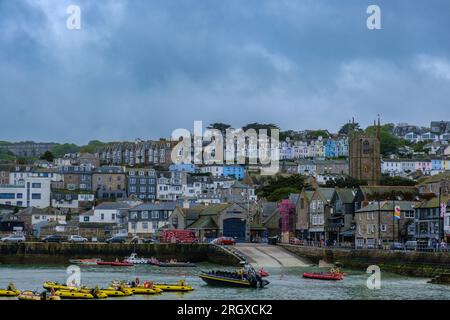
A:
141	183
377	225
319	212
147	218
144	153
109	182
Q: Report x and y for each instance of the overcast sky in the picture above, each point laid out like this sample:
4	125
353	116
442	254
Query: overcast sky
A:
142	68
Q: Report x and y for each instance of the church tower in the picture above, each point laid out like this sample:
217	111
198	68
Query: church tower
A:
365	156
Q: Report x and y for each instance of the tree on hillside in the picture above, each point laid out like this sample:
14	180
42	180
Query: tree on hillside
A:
273	183
396	181
346	128
48	156
222	127
281	193
389	142
314	134
61	149
92	146
345	182
258	126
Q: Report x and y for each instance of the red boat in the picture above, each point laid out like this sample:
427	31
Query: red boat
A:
323	275
263	273
114	264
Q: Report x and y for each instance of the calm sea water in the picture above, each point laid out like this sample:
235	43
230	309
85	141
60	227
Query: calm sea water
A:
284	283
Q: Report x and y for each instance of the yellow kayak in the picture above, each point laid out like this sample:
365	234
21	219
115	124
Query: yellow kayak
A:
9	293
31	296
56	286
180	286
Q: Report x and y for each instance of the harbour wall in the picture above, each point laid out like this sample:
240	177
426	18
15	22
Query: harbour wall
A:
412	263
39	252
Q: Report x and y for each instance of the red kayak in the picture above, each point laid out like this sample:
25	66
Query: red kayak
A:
263	273
114	264
323	275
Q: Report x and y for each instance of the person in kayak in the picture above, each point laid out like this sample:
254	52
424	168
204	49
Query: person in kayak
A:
335	269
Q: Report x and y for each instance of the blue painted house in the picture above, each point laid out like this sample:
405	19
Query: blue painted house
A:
234	170
182	167
330	148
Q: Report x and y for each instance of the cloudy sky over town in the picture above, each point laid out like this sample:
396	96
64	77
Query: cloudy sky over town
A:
141	68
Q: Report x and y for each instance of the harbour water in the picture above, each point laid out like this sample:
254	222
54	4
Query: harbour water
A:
285	283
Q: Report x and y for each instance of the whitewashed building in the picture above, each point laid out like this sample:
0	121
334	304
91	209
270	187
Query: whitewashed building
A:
29	192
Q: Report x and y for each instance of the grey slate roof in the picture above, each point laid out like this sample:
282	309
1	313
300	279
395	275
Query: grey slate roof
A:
112	205
155	206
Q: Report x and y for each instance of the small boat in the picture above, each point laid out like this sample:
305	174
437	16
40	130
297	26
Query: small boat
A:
10	291
33	296
85	262
81	294
146	288
323	275
114	264
232	279
181	286
113	292
134	259
56	286
263	273
171	263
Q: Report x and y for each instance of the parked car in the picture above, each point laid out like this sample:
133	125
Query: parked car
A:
54	238
13	238
224	241
411	245
295	241
150	240
116	239
397	246
76	238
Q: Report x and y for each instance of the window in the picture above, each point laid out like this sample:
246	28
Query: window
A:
36	196
366	147
20	196
102	216
143	181
133	215
383	228
145	225
155	214
7	196
113	216
19	203
144	215
36	185
133	225
86	218
155	225
409	214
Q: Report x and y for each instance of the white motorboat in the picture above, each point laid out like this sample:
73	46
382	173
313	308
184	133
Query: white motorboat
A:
134	259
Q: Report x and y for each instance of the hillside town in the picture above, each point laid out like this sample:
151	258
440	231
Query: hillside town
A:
379	187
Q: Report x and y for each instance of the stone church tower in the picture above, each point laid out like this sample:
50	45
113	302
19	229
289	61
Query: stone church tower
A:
364	156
